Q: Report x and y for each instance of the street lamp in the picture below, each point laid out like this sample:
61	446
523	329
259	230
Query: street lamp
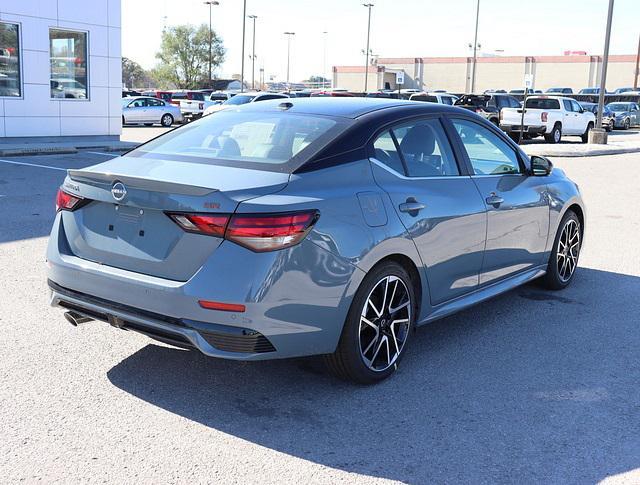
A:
475	50
598	134
289	35
366	62
211	3
244	28
253	53
324	61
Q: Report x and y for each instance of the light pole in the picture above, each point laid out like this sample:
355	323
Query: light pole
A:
366	53
253	53
324	61
475	50
289	35
211	3
599	135
635	79
244	28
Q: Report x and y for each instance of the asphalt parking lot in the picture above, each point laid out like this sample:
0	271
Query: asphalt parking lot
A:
530	387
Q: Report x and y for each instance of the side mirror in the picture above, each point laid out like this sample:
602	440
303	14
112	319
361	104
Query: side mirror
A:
581	110
540	166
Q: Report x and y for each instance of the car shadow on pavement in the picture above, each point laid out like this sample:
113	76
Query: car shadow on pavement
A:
532	386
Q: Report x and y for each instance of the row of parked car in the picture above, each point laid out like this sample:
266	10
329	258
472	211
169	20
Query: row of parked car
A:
565	90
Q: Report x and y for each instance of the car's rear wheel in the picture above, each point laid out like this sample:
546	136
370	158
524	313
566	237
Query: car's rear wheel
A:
627	124
556	134
166	120
565	253
377	328
585	135
610	126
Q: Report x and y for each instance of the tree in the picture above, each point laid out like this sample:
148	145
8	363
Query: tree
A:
133	75
184	56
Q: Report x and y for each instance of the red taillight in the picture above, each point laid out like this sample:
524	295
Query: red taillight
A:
258	232
224	307
67	202
269	232
212	225
544	116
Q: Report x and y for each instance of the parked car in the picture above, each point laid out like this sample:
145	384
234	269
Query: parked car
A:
559	91
591	91
177	96
441	98
333	93
626	114
154	93
521	91
148	111
487	105
548	116
243	98
492	91
331	227
608	117
626	90
68	88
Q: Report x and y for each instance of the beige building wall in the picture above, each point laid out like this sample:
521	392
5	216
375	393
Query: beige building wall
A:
451	76
500	75
454	73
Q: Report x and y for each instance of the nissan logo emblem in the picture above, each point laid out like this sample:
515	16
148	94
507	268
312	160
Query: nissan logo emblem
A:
118	190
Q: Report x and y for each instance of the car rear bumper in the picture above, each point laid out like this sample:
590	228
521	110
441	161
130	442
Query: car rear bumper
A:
295	300
529	129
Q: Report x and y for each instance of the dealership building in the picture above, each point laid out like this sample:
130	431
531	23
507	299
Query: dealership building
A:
508	72
60	68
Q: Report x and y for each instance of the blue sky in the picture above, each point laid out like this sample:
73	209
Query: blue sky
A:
399	28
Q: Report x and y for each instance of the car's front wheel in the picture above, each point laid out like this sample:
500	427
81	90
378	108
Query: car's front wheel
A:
166	120
377	328
565	253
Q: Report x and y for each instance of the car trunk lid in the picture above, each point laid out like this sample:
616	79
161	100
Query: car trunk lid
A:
126	225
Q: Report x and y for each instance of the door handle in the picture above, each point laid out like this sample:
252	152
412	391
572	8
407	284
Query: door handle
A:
412	206
494	199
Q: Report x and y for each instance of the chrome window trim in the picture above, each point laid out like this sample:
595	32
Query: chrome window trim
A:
404	177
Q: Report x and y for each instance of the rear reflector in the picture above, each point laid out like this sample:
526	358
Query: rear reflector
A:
224	307
68	202
258	232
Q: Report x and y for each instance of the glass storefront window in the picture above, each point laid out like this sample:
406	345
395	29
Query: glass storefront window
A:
68	52
9	60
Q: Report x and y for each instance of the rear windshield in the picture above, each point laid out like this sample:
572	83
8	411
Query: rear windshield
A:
543	103
467	100
279	142
424	97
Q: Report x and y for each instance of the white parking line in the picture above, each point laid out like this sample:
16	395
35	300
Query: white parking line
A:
103	153
12	162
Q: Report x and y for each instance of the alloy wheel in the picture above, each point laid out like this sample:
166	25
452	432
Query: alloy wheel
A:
556	136
384	323
568	250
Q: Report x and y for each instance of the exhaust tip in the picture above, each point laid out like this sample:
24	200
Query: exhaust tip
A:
75	319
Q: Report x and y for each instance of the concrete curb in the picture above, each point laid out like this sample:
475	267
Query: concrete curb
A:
61	150
588	153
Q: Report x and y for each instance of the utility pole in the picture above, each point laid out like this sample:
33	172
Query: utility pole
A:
635	79
244	28
211	3
289	35
366	53
475	50
253	53
324	61
599	135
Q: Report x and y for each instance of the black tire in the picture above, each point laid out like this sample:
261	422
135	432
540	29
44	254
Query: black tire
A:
495	121
585	135
627	124
123	121
348	362
554	279
166	120
610	127
515	136
556	134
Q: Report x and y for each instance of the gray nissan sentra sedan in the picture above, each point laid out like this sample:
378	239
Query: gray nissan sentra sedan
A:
328	226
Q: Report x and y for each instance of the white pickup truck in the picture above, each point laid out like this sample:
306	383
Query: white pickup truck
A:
548	116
